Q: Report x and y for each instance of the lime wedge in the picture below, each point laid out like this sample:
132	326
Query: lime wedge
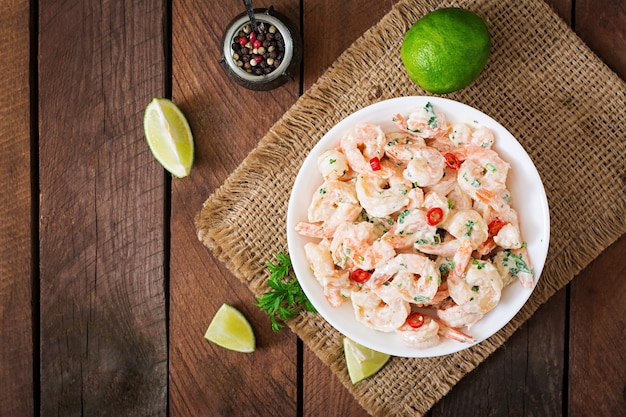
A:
169	136
362	362
231	330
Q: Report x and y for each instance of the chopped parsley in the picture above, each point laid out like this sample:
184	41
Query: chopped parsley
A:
468	227
402	215
446	267
515	263
432	121
479	265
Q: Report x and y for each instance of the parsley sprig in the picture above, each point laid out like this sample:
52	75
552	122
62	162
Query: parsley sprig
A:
284	300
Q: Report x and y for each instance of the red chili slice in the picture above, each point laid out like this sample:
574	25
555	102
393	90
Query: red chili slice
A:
375	163
360	275
495	226
415	320
452	161
434	216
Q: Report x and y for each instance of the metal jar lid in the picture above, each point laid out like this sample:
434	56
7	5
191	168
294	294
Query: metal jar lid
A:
289	63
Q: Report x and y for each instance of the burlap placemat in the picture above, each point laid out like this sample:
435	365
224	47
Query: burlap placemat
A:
542	83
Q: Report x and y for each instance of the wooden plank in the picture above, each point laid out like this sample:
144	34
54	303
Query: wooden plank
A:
103	329
601	25
329	28
522	378
597	357
227	121
16	267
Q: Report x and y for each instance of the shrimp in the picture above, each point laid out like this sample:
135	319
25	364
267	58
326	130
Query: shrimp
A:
507	235
479	289
427	122
428	334
446	184
514	263
425	336
458	198
403	138
416	198
454	333
448	248
463	135
356	245
411	228
333	165
336	283
442	144
334	203
329	196
433	199
483	137
467	225
424	165
381	197
454	315
482	174
374	312
460	260
362	143
414	277
442	294
469	231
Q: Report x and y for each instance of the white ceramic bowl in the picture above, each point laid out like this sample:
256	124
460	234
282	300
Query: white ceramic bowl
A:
529	199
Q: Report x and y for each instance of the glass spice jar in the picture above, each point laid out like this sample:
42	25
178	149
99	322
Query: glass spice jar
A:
263	59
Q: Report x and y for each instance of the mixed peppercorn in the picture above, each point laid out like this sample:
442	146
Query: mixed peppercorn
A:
259	51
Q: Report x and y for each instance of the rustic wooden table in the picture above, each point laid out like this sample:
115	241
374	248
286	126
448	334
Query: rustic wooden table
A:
105	290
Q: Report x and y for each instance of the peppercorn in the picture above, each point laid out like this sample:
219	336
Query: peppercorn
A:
258	51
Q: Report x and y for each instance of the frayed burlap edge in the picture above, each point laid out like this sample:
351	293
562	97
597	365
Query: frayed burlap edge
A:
560	101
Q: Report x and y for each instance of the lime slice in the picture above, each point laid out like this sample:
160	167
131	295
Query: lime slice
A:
231	330
169	136
362	362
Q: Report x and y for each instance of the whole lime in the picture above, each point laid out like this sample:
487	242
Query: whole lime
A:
446	50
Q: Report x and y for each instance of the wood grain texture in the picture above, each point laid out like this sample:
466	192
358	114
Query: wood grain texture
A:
105	239
331	26
227	121
522	378
597	372
16	266
601	25
597	362
103	329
